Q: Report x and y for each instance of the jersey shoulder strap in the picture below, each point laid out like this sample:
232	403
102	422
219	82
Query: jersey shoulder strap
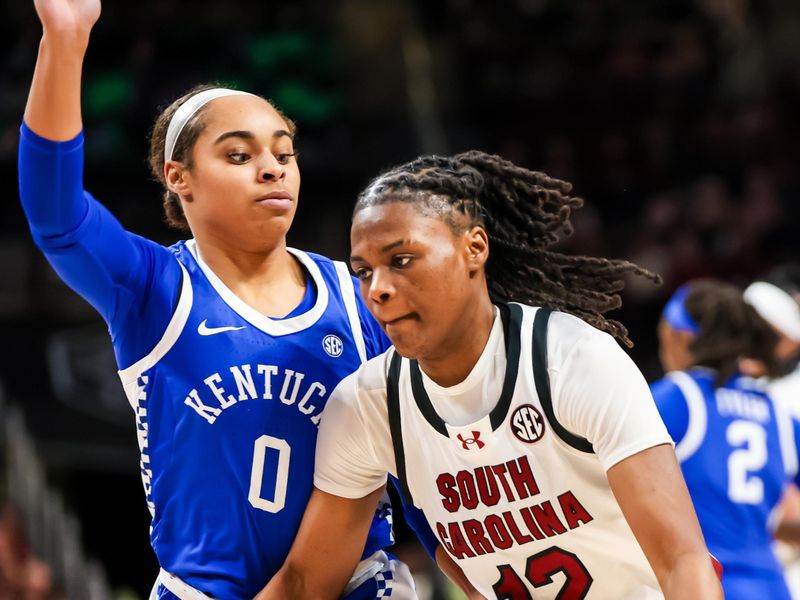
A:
350	300
395	425
542	381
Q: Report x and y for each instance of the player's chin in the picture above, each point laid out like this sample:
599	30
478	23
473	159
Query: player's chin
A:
266	232
406	343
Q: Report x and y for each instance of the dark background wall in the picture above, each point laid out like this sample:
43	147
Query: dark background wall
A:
676	120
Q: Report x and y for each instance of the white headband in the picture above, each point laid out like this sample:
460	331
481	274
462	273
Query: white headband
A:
776	307
187	110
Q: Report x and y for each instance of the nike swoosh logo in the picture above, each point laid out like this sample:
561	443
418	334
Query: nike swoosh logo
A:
204	329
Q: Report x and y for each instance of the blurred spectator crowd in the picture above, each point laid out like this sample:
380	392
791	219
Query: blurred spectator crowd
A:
676	120
23	576
41	554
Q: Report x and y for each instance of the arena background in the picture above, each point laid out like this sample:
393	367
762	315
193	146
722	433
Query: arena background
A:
676	120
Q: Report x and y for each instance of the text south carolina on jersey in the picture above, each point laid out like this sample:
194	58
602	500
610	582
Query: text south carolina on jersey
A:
508	482
257	382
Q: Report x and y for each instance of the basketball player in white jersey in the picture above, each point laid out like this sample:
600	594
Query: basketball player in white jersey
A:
526	435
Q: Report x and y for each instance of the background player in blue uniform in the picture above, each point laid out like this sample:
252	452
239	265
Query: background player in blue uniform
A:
228	344
737	446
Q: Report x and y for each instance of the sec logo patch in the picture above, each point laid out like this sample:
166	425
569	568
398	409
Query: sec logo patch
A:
332	345
527	424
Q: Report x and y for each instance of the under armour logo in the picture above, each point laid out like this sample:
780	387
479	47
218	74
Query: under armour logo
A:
465	443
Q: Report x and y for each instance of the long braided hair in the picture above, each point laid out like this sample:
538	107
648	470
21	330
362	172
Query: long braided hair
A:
524	213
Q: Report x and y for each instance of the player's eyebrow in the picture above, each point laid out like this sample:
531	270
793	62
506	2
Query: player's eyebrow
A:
394	244
245	135
279	133
249	135
384	250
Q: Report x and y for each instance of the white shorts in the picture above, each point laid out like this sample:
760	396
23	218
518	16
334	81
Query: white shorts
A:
380	576
377	576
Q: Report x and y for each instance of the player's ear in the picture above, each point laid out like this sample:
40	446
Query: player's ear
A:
477	248
175	176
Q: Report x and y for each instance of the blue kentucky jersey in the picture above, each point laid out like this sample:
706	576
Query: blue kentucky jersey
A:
737	449
227	407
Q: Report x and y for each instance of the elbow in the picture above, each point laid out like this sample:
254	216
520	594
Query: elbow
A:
690	571
286	583
294	582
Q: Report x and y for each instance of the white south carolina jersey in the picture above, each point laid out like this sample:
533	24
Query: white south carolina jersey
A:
518	496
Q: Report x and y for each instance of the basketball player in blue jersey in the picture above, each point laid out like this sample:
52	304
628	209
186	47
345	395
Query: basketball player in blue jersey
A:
228	344
737	445
524	433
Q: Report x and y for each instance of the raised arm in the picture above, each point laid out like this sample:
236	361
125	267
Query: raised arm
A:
51	147
54	104
120	274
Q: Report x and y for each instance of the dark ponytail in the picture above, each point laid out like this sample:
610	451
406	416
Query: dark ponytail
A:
730	329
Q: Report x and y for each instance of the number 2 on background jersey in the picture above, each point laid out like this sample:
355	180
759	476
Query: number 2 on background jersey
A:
281	475
743	487
539	571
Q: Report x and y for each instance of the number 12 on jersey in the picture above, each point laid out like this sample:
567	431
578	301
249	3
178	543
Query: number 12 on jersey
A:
539	571
260	448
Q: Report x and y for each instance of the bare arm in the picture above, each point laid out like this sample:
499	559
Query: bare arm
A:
54	103
326	550
653	497
788	531
456	574
788	528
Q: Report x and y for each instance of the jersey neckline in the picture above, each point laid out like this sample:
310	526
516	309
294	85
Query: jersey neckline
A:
274	327
476	376
511	314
